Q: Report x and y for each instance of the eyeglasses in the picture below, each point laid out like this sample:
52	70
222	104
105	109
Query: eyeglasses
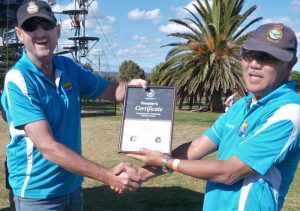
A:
259	56
32	25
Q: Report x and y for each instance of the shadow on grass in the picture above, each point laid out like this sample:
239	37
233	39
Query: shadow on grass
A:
146	198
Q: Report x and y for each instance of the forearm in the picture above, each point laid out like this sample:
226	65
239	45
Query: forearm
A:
71	161
148	172
193	150
180	152
222	171
114	92
40	134
210	170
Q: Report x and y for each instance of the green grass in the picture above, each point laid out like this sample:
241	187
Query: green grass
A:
168	192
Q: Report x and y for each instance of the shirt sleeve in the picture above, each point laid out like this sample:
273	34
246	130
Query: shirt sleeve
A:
23	104
91	85
216	131
269	144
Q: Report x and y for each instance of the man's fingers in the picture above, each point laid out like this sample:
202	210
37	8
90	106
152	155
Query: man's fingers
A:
120	168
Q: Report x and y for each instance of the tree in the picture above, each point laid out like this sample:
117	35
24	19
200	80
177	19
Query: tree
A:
130	70
295	76
89	67
155	74
8	57
207	61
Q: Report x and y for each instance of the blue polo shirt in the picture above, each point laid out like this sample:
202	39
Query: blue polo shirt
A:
30	96
266	138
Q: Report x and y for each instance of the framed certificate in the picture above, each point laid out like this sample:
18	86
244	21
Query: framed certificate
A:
147	119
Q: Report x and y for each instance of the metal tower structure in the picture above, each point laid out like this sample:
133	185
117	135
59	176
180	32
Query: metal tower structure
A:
82	43
10	47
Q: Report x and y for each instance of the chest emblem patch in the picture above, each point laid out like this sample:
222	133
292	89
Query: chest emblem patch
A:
243	129
67	86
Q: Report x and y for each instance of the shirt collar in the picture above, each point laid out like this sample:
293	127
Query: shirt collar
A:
290	85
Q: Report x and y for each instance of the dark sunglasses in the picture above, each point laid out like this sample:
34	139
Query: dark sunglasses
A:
32	25
259	56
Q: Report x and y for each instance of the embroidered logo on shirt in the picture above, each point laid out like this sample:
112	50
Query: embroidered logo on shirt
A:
68	86
243	129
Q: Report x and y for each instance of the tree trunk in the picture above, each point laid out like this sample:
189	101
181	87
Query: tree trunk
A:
216	101
191	101
181	97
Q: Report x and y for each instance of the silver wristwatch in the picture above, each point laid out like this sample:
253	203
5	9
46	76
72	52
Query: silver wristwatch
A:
164	164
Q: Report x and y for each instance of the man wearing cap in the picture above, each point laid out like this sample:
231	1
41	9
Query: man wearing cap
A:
42	105
257	140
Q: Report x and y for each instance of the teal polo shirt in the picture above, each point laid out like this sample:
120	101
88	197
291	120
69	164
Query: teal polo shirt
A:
30	96
266	138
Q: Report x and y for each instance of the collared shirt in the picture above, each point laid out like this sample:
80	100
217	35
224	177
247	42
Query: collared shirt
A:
30	96
266	138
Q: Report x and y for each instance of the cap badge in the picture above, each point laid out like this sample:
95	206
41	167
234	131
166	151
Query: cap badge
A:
32	8
275	34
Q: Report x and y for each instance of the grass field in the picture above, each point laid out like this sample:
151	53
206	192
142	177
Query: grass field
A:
168	192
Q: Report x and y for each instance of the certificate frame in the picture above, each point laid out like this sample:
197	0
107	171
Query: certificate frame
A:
148	119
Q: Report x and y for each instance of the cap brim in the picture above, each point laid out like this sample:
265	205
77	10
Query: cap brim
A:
278	53
52	20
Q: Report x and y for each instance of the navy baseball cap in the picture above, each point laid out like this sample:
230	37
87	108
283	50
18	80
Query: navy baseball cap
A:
275	39
32	9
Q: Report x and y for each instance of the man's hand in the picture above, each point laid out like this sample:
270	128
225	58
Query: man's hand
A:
128	176
116	91
150	157
139	82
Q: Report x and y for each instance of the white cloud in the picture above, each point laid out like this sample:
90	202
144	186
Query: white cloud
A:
139	46
285	20
152	15
181	13
137	53
158	40
110	19
145	40
142	39
173	28
298	38
294	6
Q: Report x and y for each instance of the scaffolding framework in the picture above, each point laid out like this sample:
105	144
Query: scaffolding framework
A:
82	43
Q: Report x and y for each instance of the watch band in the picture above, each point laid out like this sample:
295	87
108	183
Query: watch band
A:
164	164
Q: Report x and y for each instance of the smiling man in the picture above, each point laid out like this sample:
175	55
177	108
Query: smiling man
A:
42	104
258	139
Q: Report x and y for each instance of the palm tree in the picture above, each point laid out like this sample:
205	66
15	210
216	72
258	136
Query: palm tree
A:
207	61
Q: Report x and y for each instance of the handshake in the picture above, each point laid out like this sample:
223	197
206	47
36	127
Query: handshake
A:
125	178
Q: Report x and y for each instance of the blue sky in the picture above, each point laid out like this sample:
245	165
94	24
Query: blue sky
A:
136	29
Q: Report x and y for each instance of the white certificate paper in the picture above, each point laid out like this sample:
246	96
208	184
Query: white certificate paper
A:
147	119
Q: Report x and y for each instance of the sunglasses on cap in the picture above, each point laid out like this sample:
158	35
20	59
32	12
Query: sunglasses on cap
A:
32	25
249	55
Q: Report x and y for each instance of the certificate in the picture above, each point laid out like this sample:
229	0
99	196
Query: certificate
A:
147	119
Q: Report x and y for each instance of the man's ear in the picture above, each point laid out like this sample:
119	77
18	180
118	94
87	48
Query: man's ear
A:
293	62
19	33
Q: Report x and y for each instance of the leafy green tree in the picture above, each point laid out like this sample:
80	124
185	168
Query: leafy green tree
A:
89	67
130	70
206	61
295	76
155	74
8	57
